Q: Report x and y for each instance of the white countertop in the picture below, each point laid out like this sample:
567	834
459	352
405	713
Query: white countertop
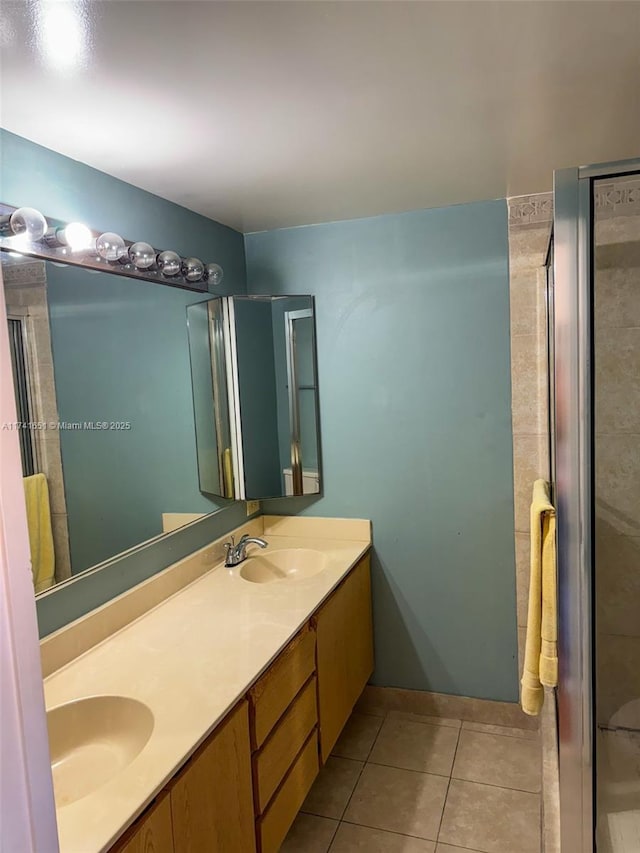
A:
190	659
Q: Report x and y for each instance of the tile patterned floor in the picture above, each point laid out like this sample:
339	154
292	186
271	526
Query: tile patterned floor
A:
402	783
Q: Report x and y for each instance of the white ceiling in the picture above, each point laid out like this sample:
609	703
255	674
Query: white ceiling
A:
266	114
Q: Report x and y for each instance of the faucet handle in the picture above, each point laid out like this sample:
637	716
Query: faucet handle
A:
229	552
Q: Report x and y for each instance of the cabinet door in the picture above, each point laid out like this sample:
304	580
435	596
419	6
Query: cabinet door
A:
345	652
212	798
152	833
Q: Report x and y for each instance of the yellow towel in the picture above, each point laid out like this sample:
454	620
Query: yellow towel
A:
541	649
228	473
36	494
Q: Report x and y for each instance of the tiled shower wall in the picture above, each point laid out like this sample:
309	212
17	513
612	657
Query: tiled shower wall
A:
529	229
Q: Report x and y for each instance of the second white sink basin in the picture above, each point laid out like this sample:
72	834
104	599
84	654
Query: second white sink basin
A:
289	564
91	740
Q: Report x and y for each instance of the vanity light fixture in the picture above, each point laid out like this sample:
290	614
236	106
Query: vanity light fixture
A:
142	255
169	263
214	274
24	221
76	237
26	230
111	246
193	269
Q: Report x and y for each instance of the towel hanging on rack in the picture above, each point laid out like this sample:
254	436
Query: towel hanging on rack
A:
541	648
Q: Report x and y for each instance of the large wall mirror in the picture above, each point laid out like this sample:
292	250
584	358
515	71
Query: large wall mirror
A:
102	375
142	408
255	395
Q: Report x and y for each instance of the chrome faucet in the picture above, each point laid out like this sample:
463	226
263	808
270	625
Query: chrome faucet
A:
236	554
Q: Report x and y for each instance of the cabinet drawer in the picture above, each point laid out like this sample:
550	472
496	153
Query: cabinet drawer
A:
273	694
277	820
285	742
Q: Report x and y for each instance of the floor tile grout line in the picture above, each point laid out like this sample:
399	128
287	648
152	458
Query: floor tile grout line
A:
446	795
390	831
364	764
446	775
470	849
369	751
333	837
342	758
500	734
375	740
410	769
410	718
499	787
404	835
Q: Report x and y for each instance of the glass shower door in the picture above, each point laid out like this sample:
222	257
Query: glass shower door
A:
616	510
596	440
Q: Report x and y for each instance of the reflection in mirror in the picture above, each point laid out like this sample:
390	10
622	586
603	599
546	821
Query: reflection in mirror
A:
253	361
208	371
301	384
101	373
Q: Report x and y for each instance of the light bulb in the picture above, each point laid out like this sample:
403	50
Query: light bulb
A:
215	274
76	236
169	263
27	222
110	246
142	255
193	269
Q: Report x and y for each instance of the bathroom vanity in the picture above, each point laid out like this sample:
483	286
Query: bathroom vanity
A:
249	674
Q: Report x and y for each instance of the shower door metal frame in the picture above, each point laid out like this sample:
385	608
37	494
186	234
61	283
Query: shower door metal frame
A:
573	491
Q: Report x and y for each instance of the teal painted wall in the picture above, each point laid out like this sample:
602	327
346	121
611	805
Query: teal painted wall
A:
412	314
68	190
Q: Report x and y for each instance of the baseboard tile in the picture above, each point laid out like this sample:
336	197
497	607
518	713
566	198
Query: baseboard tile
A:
379	700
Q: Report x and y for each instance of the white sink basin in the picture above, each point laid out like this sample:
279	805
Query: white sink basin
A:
288	564
91	740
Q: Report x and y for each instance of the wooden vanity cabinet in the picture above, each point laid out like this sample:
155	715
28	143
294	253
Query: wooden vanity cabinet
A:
284	735
243	788
152	833
344	637
275	690
208	806
212	797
